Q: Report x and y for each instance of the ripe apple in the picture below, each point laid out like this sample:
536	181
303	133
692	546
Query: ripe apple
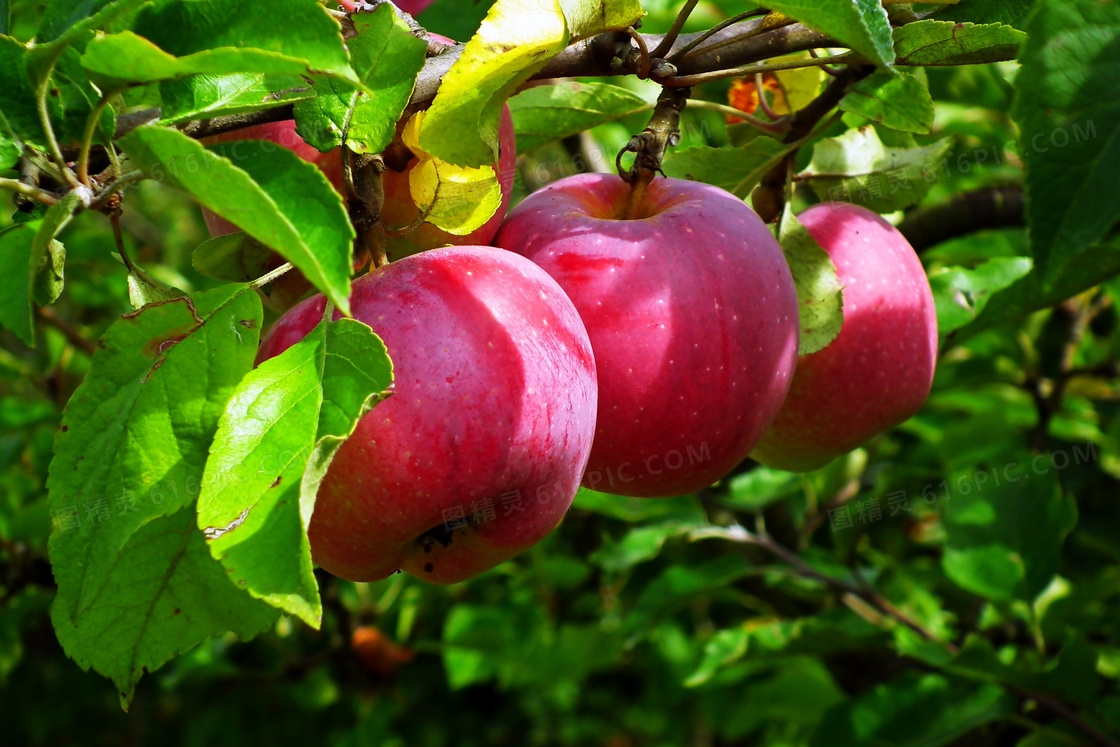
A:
398	210
878	371
480	449
692	315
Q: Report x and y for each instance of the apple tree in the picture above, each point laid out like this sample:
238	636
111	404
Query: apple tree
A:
717	373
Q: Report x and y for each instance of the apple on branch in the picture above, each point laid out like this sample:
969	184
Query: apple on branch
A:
479	451
692	314
879	369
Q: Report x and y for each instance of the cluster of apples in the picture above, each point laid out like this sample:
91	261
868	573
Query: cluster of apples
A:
641	350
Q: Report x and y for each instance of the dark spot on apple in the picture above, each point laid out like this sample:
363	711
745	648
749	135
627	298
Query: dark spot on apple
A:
428	568
438	533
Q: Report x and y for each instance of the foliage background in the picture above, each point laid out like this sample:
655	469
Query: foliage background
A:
623	629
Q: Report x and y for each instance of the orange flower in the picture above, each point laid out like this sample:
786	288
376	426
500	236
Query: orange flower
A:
744	96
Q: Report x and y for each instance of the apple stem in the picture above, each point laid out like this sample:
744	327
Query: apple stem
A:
649	145
638	184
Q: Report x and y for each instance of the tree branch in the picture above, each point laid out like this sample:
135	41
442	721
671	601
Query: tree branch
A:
598	56
991	207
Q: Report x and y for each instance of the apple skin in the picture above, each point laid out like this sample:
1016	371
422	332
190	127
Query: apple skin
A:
692	315
494	394
879	369
398	209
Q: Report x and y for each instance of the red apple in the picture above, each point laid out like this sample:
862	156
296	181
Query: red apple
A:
480	449
398	210
692	315
878	371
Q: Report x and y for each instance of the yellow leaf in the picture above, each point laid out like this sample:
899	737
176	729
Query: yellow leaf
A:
516	39
799	86
461	199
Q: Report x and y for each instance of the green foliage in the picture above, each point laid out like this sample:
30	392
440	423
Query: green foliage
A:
861	24
947	43
896	100
277	198
545	113
737	170
504	54
386	58
285	422
1065	92
858	167
155	485
820	298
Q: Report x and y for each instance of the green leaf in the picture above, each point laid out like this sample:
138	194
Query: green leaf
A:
914	710
272	194
462	124
860	24
15	296
48	274
144	289
961	294
723	648
298	29
117	60
63	21
1071	676
760	487
1090	268
18	112
1068	113
680	583
738	170
857	167
25	251
274	444
1003	541
1010	12
545	113
206	96
386	57
944	43
129	454
640	545
156	596
5	13
235	257
893	99
629	509
10	149
820	297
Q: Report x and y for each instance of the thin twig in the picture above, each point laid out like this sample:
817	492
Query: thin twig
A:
771	128
683	52
674	31
644	67
762	102
271	275
39	195
745	70
45	117
737	533
87	134
69	331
